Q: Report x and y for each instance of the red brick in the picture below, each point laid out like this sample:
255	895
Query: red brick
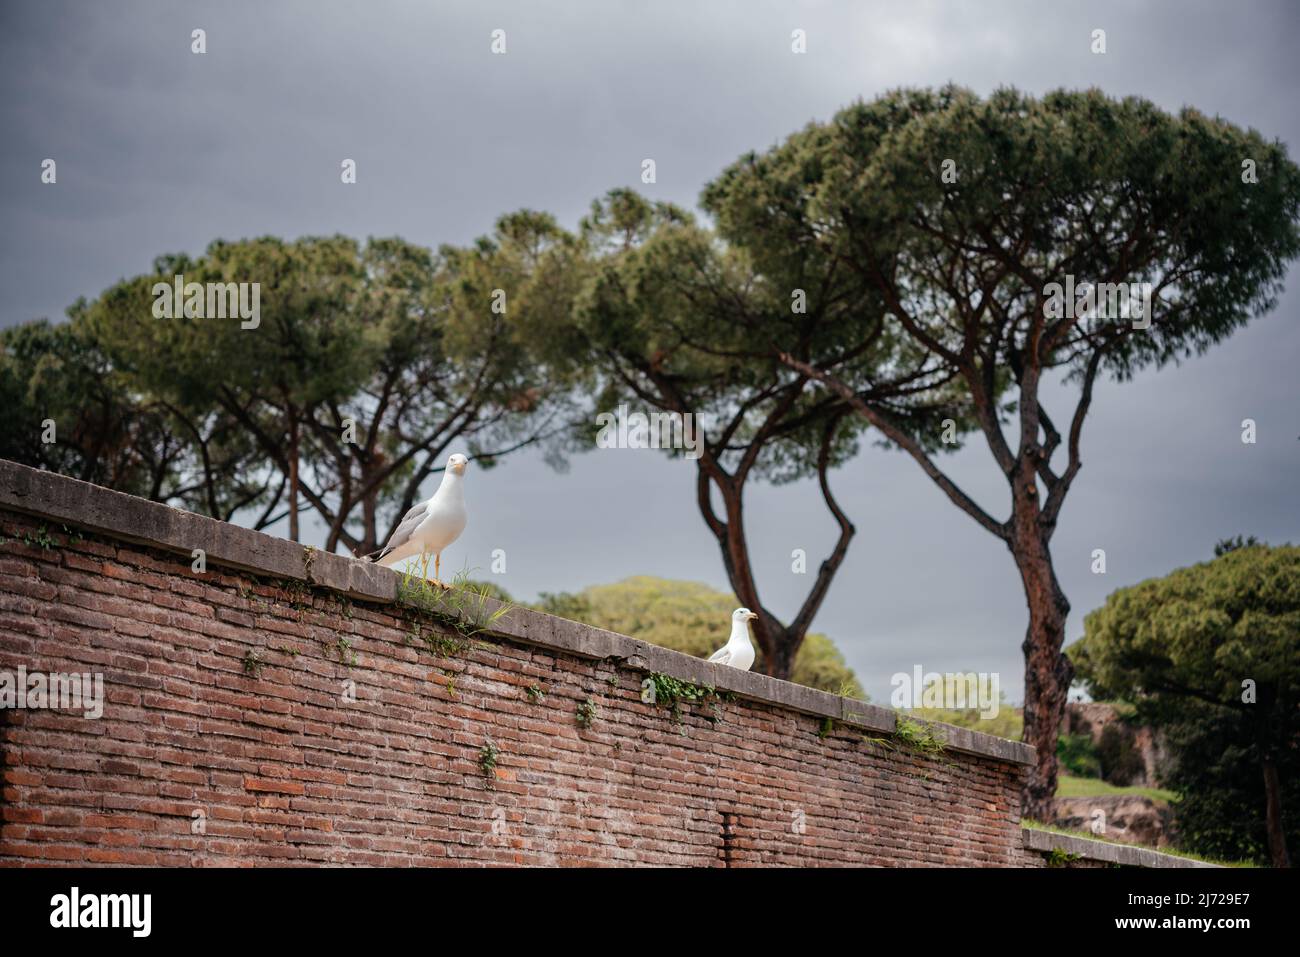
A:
285	771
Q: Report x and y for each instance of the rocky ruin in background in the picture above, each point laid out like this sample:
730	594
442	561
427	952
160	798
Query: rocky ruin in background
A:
1130	756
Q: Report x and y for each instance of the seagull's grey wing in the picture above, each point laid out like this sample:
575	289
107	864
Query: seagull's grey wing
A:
402	534
721	656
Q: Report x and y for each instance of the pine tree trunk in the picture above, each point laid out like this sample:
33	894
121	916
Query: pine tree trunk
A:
370	532
1048	672
293	478
1277	850
779	661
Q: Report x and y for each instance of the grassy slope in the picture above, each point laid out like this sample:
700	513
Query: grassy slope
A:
1068	786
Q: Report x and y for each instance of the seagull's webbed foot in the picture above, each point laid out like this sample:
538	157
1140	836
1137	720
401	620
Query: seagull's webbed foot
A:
437	568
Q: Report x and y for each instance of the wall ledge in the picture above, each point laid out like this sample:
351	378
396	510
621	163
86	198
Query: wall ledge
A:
57	498
1125	855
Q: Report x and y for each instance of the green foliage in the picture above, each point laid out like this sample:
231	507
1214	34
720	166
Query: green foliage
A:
535	694
1120	761
672	693
485	588
957	276
347	654
1215	768
368	361
310	351
41	539
487	761
1073	182
919	737
912	737
1210	654
1078	755
253	664
463	606
1070	786
1007	723
1059	857
646	307
108	433
1225	545
566	605
692	618
442	644
1199	633
586	713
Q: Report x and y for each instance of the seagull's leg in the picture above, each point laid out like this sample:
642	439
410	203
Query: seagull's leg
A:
437	565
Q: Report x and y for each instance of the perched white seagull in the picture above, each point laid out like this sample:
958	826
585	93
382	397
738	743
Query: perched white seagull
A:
737	652
431	526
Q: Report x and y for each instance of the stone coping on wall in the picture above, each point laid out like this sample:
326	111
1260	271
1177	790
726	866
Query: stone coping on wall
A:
57	498
1124	855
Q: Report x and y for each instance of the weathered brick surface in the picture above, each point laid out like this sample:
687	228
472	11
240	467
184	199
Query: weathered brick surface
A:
226	705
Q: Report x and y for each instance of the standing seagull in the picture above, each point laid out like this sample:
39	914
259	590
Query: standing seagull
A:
431	526
737	652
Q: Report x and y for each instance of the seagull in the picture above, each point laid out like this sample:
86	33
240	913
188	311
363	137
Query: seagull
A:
431	526
737	652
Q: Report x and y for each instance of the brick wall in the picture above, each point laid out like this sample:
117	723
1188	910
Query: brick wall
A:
284	706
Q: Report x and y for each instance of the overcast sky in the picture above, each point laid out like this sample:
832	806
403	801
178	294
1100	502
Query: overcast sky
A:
161	150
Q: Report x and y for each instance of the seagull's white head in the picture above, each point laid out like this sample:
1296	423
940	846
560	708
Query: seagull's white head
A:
743	615
456	464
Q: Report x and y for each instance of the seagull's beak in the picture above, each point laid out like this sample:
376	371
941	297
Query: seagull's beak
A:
752	615
459	468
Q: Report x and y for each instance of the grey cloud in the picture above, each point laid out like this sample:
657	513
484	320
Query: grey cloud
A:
160	150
